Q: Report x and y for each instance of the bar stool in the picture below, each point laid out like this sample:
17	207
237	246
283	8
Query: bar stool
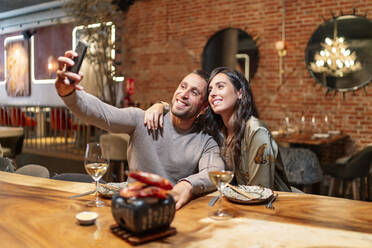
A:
356	169
118	145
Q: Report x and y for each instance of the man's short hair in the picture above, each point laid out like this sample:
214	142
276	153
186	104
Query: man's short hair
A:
204	75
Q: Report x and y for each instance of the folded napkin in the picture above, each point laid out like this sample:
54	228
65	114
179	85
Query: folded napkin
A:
321	135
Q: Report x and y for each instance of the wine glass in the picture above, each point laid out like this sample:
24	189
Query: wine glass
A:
303	126
220	178
326	125
96	164
315	125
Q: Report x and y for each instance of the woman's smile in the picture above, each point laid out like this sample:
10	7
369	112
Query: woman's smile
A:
222	95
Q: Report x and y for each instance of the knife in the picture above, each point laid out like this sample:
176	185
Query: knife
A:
213	201
82	194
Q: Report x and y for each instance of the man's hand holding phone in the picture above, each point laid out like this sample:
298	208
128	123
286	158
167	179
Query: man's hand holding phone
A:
68	76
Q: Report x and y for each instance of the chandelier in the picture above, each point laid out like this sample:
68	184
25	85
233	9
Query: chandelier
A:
335	58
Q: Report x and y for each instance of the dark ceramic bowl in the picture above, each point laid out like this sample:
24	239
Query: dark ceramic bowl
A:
141	215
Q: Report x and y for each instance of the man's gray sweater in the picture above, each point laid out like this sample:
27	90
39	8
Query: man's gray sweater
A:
171	153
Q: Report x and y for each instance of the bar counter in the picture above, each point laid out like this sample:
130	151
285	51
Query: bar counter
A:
37	212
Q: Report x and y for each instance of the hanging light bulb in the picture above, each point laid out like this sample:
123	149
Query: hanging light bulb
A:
319	62
328	41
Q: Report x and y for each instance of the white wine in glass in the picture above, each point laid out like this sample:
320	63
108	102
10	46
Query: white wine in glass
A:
96	164
96	170
220	179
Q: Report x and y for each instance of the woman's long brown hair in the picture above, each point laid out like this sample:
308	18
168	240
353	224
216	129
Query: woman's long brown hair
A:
243	110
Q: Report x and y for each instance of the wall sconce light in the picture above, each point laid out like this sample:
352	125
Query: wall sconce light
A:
280	47
52	66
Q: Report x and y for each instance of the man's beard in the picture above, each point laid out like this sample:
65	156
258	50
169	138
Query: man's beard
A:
184	115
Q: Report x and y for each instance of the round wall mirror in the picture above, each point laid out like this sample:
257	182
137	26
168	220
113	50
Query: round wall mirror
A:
339	53
233	48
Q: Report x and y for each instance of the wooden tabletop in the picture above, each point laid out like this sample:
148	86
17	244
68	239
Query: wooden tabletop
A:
309	139
36	212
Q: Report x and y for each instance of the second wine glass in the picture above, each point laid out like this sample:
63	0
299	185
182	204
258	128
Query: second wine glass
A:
96	164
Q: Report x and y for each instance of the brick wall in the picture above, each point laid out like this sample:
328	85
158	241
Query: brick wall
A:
163	40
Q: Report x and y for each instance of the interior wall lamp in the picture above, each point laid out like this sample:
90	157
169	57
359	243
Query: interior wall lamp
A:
280	47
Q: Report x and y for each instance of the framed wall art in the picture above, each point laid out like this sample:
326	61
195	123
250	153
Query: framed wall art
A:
17	66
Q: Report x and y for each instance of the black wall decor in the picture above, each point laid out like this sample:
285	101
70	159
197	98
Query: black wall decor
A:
27	34
123	4
224	47
357	31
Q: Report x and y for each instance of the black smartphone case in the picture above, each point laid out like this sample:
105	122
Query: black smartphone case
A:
81	50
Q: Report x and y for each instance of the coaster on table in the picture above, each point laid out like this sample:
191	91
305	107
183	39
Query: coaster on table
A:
136	239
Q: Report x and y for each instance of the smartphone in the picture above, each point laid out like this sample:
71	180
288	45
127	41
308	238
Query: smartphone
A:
81	49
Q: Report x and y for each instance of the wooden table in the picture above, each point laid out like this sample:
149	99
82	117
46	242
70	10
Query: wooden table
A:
308	139
6	132
11	140
36	212
327	149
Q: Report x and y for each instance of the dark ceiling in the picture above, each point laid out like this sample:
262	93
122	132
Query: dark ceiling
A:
7	5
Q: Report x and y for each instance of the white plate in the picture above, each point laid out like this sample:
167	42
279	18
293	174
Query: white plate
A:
261	194
107	192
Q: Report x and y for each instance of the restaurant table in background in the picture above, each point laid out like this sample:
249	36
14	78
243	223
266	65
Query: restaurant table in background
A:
11	139
6	132
328	149
36	212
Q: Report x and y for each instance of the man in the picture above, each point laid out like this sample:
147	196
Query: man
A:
178	153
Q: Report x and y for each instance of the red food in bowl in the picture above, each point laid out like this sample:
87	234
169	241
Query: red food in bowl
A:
151	179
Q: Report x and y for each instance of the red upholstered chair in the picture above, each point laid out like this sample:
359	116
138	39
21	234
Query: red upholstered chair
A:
19	118
60	121
4	117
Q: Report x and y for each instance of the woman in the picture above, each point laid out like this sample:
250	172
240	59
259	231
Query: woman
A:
246	142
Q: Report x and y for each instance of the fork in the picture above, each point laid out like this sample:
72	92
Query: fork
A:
270	203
